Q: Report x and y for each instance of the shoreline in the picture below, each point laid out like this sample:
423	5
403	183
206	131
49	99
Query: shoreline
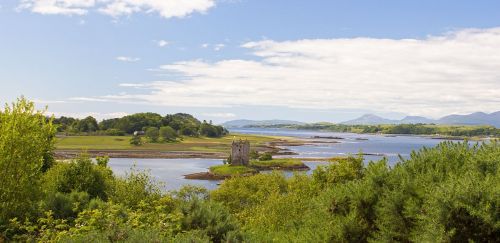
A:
140	154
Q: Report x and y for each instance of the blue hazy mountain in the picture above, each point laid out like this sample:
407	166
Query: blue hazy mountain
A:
246	123
477	118
370	119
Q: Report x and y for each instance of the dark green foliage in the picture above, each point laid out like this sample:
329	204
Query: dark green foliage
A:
134	188
152	134
136	140
114	132
167	134
137	122
254	154
65	205
89	124
102	161
340	172
422	129
81	175
209	130
173	126
450	193
446	194
266	156
63	123
209	217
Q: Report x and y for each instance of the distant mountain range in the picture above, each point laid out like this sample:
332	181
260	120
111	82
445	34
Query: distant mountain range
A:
477	118
246	123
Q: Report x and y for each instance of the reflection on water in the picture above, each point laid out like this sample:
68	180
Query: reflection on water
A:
171	171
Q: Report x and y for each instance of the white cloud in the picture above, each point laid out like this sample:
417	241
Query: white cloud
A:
63	7
80	115
116	8
128	59
46	102
219	47
220	115
456	72
87	99
162	43
204	45
131	85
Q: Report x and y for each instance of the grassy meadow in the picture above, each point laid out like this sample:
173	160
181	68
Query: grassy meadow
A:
200	144
228	170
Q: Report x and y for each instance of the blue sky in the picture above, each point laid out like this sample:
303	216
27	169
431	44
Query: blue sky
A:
230	59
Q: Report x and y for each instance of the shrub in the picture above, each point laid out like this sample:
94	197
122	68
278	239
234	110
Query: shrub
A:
167	134
26	144
114	132
254	154
134	187
64	205
136	140
266	156
152	134
81	175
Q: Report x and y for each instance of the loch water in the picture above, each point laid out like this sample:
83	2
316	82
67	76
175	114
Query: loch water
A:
171	171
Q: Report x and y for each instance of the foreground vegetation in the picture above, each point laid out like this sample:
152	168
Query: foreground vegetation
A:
450	193
414	129
278	163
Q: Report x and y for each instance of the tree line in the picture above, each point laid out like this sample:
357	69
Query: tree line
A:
449	193
180	124
413	129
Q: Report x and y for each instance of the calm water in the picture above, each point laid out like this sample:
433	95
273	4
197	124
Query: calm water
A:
352	143
171	171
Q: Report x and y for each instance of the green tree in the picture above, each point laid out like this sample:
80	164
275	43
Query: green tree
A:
167	134
89	124
26	144
136	140
266	156
80	175
153	134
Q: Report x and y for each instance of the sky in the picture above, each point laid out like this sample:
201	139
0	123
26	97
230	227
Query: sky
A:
314	60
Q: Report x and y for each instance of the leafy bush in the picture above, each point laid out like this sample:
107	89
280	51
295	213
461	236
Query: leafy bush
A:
449	193
134	188
114	132
136	140
168	134
153	134
65	205
266	156
80	175
26	144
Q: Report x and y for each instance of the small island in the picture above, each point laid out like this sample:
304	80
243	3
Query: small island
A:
246	162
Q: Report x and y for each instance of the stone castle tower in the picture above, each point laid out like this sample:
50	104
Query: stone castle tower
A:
240	152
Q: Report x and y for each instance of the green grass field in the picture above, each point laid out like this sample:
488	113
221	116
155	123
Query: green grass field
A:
228	170
281	162
201	144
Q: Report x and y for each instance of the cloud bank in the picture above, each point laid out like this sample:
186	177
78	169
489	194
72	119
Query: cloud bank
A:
457	72
117	8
